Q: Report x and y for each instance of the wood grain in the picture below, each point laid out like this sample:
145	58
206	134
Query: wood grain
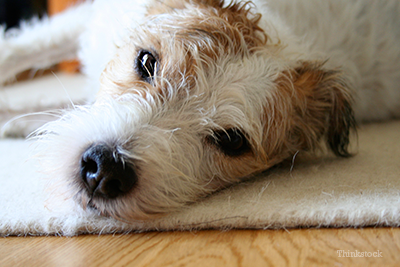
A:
307	247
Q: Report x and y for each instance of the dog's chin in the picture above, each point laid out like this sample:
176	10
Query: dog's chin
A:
109	208
124	208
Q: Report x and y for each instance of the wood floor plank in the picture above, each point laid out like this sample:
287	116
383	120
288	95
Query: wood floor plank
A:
306	247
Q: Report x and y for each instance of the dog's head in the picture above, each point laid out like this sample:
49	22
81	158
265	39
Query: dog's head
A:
199	98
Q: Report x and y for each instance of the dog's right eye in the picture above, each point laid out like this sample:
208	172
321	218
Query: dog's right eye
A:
146	65
231	142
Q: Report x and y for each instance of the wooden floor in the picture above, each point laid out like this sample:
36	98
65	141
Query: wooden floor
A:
307	247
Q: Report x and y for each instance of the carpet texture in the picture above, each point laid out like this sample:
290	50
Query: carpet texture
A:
309	192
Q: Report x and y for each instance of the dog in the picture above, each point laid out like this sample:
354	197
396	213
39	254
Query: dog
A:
191	96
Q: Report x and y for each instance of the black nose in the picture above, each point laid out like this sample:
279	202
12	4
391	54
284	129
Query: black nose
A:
105	173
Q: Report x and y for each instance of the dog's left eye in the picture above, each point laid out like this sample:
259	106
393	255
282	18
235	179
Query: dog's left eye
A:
146	65
232	142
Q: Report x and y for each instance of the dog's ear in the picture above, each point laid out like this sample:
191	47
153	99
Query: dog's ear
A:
322	104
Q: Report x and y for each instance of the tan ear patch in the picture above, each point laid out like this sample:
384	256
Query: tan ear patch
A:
316	104
329	104
228	25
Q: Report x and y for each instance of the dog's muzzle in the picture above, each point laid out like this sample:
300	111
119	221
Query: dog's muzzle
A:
105	174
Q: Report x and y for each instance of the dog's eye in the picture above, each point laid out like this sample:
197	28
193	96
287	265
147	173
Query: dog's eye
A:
146	65
232	142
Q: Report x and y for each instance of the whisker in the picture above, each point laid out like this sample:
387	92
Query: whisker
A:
293	159
54	113
65	90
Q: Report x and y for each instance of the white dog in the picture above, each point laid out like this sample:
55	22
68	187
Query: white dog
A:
195	95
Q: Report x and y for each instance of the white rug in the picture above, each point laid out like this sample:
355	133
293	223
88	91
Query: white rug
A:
360	191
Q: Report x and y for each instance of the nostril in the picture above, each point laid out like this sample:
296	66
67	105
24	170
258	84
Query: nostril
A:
104	173
114	185
90	166
89	169
111	188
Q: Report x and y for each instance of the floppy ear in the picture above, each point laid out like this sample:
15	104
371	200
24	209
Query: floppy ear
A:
323	108
342	120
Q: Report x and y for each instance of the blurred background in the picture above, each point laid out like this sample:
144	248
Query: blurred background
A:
12	11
